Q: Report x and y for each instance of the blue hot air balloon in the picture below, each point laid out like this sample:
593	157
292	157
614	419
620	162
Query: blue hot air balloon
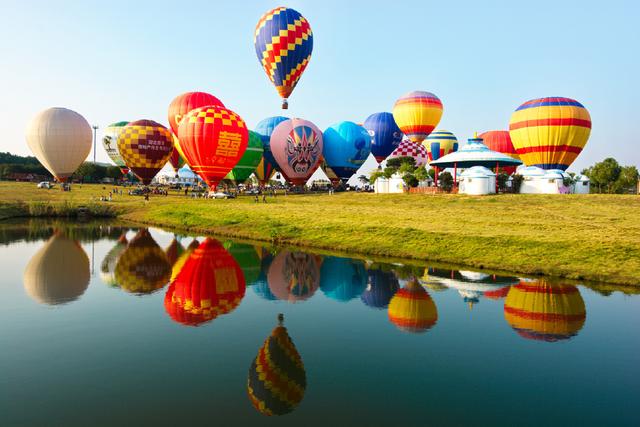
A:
381	287
346	147
385	134
268	166
342	279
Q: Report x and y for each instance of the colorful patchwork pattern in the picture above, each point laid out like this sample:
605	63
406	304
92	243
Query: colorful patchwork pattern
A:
145	147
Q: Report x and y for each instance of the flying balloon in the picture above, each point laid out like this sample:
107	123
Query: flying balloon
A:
249	160
550	132
283	42
267	166
417	114
346	146
213	139
440	143
60	139
296	145
385	134
110	144
145	146
277	379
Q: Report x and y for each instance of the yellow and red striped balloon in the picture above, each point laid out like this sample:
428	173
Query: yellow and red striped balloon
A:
417	114
412	310
550	132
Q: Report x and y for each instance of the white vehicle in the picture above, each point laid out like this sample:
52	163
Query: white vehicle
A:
45	184
220	195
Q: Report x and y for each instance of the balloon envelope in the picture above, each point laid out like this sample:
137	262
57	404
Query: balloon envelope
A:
296	145
500	141
145	147
60	139
294	276
283	41
268	165
186	102
143	267
440	143
385	134
381	287
417	114
342	279
248	260
346	146
108	266
412	310
550	132
110	144
213	139
249	160
409	149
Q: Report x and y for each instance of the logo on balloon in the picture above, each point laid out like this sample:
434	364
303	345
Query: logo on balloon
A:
303	148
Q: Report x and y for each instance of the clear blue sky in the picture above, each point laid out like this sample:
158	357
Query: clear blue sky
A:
125	60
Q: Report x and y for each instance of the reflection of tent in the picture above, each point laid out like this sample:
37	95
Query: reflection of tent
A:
247	258
277	379
174	250
294	276
381	287
541	311
108	266
342	279
58	273
411	309
471	285
209	284
143	267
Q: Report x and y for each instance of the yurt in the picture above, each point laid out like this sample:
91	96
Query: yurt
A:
477	180
395	184
582	184
540	181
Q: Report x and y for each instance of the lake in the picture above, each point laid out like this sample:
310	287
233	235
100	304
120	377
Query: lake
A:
103	324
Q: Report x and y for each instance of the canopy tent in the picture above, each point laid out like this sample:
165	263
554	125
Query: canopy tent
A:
474	153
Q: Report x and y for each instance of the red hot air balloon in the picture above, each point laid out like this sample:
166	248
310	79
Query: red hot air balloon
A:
210	284
296	145
213	139
182	104
500	141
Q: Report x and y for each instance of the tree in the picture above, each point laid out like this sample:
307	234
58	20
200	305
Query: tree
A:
363	180
421	173
502	178
604	174
375	175
627	179
446	181
91	172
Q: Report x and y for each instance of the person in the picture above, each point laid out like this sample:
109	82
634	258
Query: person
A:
264	197
256	198
186	191
146	196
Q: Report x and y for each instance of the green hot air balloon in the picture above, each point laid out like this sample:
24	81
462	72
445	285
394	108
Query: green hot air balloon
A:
247	257
249	160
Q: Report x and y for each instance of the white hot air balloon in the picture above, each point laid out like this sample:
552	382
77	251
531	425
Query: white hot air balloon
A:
60	139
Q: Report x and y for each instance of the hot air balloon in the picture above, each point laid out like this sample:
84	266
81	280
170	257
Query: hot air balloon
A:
247	258
173	251
209	285
296	145
60	139
110	144
417	114
261	286
145	146
500	141
176	161
143	267
346	146
541	311
342	279
440	143
186	102
283	42
277	379
333	178
381	287
385	134
409	149
213	139
108	266
267	166
294	276
550	132
58	273
177	266
249	160
412	310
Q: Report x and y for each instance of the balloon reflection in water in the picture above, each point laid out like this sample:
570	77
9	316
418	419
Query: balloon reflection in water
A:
143	267
381	287
342	279
177	266
261	286
277	379
58	273
540	311
209	284
247	257
108	266
412	310
294	276
174	250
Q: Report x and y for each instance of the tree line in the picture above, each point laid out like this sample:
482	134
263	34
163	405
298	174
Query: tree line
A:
608	176
87	172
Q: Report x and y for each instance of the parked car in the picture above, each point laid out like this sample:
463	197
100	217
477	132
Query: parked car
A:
45	184
221	195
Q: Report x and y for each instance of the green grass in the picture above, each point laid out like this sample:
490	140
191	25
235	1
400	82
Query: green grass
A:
592	237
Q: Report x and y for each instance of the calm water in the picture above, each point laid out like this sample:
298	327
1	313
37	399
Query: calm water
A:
117	326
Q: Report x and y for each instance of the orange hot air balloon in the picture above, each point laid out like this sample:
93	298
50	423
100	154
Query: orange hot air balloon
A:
412	310
213	139
294	276
182	104
541	311
210	284
550	132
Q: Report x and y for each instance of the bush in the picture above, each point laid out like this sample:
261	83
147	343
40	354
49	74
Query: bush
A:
446	181
516	182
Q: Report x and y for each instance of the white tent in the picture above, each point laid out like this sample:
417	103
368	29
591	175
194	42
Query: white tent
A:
477	180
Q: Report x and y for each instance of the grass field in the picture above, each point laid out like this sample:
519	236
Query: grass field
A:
593	237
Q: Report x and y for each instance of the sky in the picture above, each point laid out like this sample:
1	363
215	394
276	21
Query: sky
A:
123	60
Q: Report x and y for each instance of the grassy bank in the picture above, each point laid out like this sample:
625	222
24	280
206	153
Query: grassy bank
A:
595	237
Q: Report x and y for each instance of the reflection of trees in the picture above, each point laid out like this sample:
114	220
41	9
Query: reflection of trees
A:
34	230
